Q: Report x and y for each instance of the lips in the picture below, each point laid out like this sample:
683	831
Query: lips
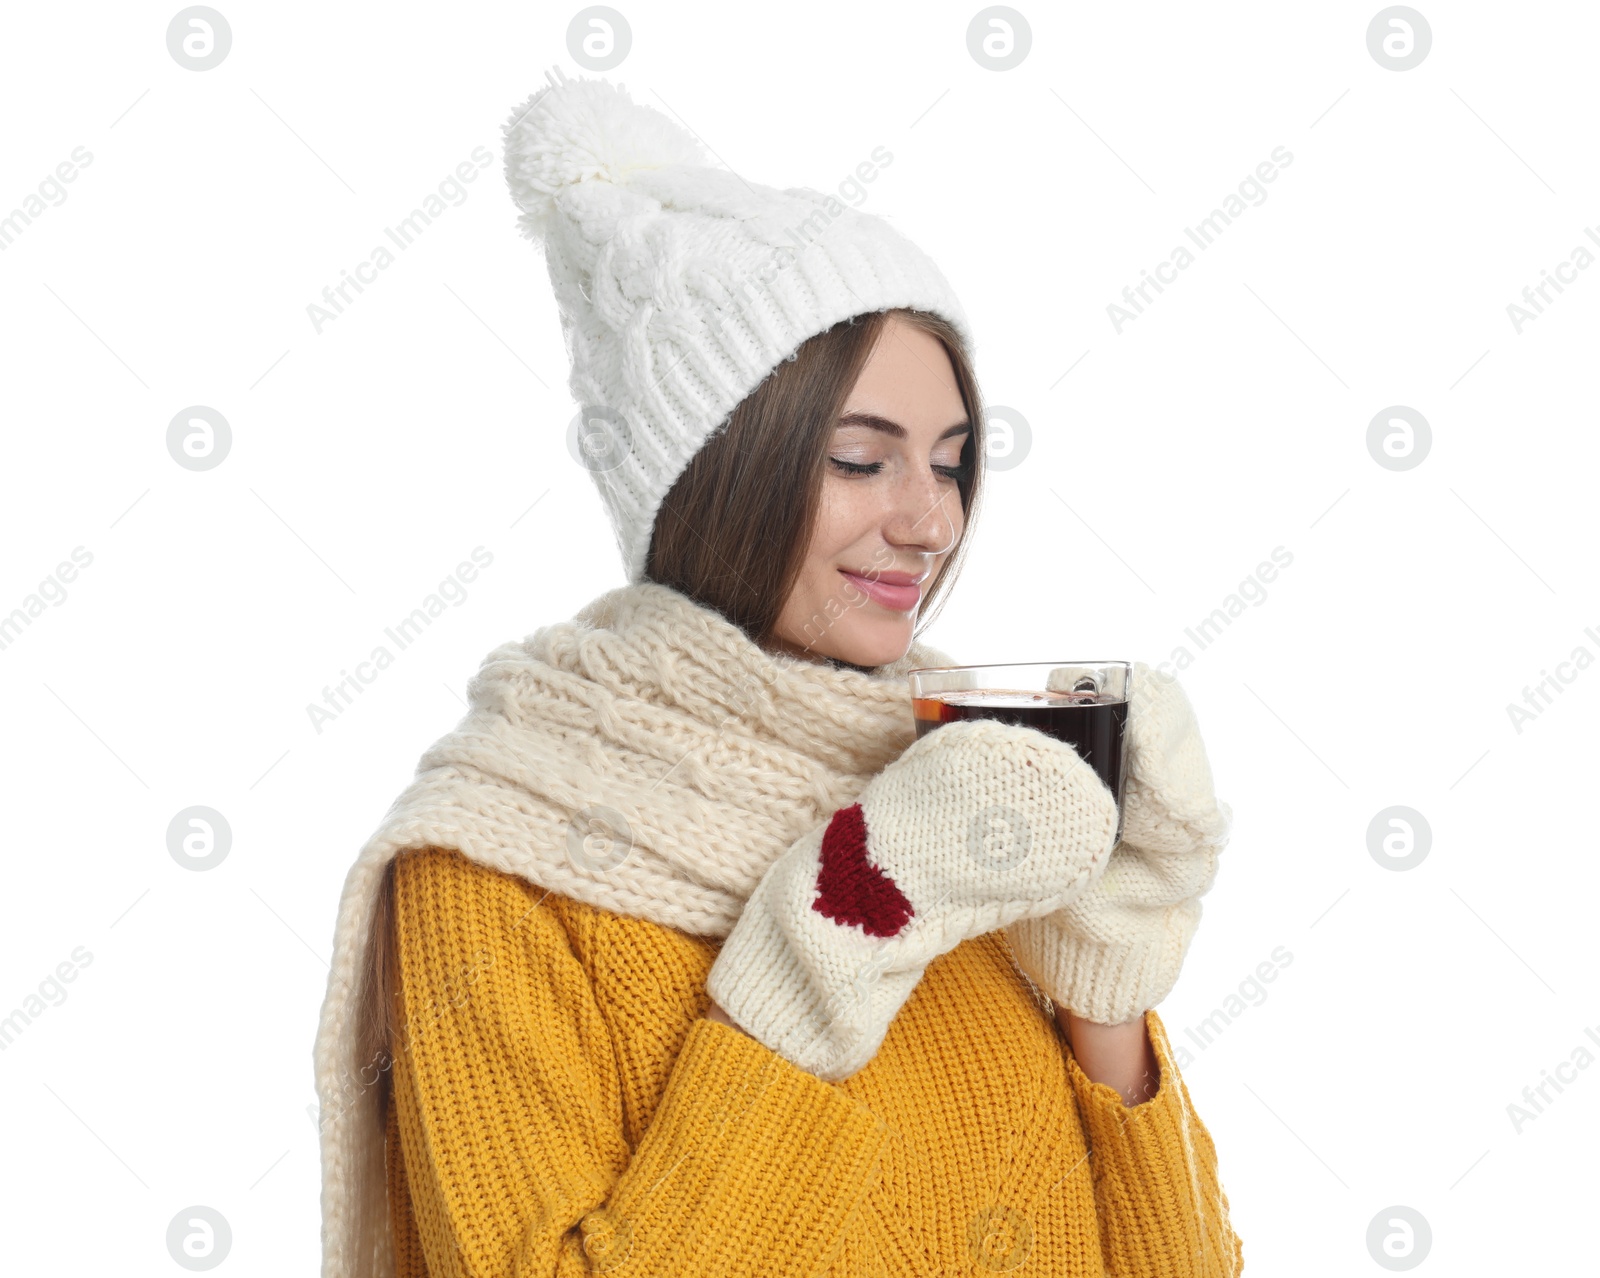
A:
897	591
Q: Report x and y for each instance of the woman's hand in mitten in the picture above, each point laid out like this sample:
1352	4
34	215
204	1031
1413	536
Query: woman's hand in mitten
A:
977	824
1116	949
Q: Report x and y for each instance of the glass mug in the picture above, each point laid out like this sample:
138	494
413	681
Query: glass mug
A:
1084	703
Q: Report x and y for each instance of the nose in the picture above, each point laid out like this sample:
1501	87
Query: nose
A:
924	514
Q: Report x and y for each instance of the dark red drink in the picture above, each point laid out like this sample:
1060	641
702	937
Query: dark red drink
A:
1092	724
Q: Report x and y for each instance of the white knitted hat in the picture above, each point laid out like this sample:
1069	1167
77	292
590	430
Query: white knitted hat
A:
681	286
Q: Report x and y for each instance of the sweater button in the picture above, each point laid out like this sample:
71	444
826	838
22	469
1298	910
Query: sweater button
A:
607	1239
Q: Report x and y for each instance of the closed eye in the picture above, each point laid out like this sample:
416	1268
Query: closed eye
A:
872	468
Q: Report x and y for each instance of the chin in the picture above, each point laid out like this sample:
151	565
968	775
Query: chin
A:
873	643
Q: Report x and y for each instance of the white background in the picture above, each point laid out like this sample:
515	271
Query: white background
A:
430	417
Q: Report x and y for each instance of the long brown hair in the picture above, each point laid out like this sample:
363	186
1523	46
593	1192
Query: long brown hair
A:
733	531
732	534
377	1018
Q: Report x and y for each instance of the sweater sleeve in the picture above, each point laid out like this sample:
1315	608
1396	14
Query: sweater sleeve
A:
1161	1207
509	1110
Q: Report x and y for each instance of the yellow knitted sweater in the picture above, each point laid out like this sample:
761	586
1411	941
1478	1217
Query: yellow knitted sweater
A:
559	1107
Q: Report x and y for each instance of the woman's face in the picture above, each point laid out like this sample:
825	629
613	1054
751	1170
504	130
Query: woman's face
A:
890	511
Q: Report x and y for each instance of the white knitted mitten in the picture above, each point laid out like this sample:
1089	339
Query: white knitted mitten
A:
1116	949
975	825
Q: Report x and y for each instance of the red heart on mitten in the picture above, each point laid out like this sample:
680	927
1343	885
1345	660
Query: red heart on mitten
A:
850	889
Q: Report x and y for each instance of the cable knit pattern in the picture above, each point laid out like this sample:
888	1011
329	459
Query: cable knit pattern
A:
977	824
681	285
645	758
561	1108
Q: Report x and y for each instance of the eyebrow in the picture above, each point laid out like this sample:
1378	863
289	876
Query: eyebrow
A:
894	429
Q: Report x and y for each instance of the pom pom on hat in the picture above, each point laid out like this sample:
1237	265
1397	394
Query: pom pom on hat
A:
577	131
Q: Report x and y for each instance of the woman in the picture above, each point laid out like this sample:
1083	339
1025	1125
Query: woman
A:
680	954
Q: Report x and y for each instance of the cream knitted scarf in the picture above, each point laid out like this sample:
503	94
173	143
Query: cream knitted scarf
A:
646	758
